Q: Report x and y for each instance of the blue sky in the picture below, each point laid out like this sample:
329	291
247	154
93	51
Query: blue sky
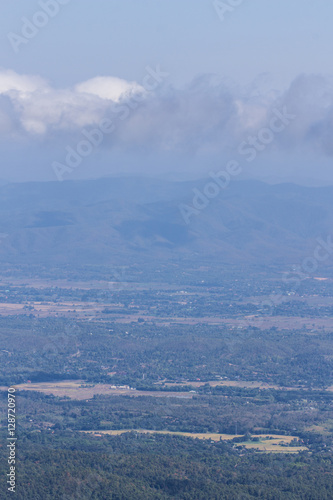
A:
115	37
256	53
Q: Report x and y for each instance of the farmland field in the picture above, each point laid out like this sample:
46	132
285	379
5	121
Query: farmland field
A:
266	443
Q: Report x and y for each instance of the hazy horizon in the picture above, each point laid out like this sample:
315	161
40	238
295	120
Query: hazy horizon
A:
180	105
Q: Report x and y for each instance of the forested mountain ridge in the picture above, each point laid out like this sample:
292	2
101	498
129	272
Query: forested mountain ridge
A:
114	220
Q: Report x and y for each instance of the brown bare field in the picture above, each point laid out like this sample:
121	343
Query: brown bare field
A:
80	390
268	443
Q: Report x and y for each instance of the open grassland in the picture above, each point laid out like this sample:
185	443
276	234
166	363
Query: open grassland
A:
80	390
268	443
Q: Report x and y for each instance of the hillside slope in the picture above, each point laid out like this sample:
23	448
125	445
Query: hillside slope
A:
122	220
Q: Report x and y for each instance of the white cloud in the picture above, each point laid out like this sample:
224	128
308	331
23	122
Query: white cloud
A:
11	82
58	110
206	116
109	87
40	109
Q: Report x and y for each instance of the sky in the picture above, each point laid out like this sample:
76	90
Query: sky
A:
174	89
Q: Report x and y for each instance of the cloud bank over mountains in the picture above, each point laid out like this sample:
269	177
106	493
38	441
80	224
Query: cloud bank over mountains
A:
35	108
209	116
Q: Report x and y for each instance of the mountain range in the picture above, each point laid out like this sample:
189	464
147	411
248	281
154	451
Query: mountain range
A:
121	220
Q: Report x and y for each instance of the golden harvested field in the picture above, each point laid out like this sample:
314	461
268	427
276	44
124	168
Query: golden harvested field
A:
214	437
268	443
81	390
